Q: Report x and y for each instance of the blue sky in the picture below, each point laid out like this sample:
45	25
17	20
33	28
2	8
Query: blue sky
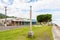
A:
20	8
9	2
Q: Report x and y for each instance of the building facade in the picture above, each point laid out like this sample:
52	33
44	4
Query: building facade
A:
17	21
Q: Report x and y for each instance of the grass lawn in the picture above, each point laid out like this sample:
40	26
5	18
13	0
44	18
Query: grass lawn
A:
40	33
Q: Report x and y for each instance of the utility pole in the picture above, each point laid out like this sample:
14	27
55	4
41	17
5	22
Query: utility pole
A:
5	16
31	33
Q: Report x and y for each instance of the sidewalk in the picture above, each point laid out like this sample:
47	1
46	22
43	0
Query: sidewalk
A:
56	33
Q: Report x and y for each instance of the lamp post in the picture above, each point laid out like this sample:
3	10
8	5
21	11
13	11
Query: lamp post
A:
5	16
5	4
31	33
30	18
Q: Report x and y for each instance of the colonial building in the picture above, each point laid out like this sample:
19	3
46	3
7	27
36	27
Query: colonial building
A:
17	21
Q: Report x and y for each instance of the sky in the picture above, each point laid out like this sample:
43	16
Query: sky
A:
20	8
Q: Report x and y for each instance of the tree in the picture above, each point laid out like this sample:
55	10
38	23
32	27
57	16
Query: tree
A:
44	18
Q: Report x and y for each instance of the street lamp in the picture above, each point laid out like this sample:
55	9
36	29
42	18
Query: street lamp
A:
5	16
5	4
31	33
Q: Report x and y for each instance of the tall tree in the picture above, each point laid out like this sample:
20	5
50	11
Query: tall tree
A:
44	18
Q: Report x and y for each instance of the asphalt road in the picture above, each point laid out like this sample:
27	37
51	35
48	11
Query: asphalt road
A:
3	28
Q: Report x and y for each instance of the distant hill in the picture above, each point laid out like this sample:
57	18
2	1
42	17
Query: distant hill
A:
3	16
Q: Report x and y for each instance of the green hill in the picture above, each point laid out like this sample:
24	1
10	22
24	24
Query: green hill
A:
3	16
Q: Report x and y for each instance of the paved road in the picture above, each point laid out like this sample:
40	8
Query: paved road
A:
56	32
2	28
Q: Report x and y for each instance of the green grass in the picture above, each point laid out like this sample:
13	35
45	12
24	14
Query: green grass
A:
40	33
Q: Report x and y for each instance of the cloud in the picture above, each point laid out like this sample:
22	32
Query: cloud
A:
6	2
28	1
48	10
20	8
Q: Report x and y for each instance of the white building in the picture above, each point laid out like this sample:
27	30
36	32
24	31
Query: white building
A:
16	21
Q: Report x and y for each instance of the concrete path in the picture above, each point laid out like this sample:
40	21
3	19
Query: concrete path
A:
56	32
